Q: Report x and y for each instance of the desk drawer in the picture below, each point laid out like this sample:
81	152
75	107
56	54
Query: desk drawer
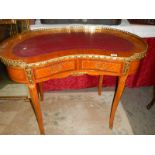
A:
54	69
102	65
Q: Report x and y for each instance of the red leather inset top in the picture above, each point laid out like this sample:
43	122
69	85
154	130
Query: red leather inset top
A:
44	44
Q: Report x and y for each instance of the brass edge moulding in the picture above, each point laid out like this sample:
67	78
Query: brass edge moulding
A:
90	29
22	64
78	73
29	73
79	56
13	63
83	28
126	67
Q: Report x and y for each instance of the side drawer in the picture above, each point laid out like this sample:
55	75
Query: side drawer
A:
102	65
54	69
17	74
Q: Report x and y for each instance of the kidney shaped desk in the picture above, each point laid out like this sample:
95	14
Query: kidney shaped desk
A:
37	56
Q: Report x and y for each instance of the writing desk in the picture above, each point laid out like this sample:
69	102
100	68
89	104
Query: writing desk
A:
37	56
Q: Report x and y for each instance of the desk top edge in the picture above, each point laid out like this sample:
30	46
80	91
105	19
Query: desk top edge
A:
76	29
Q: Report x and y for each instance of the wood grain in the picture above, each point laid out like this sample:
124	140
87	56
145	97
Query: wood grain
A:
63	63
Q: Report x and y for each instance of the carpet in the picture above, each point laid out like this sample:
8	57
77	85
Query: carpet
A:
65	113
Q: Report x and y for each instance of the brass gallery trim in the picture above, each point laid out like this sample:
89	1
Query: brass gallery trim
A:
82	28
22	64
13	63
71	28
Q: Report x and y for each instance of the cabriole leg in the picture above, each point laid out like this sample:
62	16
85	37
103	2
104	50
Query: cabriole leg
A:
118	94
36	106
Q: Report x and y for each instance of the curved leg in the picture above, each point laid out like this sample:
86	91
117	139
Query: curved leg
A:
40	90
118	94
100	85
36	106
